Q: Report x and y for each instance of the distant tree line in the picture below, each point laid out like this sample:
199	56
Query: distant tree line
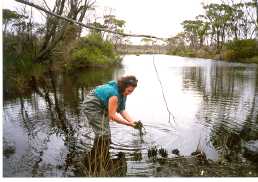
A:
223	29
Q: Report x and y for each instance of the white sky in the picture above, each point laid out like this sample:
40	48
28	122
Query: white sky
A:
160	18
155	17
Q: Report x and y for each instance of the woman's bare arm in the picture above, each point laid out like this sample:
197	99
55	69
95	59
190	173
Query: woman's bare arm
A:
112	114
126	115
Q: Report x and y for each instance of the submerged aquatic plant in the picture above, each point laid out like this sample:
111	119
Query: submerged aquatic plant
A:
163	152
199	153
176	152
140	127
137	156
152	152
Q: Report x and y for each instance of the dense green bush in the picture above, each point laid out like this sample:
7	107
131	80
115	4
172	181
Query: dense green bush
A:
92	50
240	49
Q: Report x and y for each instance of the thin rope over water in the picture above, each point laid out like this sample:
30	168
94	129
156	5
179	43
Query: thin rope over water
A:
162	89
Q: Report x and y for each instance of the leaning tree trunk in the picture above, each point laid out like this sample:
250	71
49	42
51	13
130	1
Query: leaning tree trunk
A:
256	6
51	38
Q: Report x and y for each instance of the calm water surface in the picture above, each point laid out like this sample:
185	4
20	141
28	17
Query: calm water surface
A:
211	102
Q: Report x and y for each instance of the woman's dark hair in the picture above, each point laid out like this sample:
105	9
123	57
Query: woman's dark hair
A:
126	81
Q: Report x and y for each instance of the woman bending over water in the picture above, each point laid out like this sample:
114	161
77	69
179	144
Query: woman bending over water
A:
107	103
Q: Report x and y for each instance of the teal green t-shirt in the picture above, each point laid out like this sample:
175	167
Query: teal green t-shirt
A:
104	92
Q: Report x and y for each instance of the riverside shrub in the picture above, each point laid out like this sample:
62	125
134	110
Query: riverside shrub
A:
240	49
94	51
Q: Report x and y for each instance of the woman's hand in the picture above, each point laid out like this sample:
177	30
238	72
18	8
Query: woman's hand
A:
133	124
138	125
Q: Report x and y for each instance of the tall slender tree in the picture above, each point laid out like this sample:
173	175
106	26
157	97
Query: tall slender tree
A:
256	6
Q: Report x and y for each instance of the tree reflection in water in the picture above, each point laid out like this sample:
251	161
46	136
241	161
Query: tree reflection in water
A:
229	107
97	162
49	110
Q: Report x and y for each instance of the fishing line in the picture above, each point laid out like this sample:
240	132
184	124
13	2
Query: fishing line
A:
162	89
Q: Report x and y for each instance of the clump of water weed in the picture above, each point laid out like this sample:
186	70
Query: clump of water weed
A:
139	126
176	152
152	152
137	156
200	154
163	152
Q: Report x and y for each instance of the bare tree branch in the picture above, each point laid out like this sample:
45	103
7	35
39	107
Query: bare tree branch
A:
47	5
88	26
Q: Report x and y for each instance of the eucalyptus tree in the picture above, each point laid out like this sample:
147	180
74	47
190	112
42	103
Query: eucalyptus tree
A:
17	33
177	42
100	26
247	22
244	18
237	21
190	29
11	17
250	9
116	25
195	31
203	29
256	6
219	17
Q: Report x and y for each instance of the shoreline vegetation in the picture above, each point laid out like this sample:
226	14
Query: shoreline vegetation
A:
240	54
241	51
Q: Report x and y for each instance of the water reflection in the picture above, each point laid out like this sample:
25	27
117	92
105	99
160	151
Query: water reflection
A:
46	134
229	104
53	109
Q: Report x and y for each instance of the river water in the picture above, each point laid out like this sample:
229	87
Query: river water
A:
213	105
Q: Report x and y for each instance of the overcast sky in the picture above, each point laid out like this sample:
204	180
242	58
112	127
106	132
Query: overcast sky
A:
155	17
160	18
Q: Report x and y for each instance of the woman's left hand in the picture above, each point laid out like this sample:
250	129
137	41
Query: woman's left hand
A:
133	124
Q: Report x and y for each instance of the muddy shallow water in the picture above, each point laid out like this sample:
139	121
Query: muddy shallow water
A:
214	104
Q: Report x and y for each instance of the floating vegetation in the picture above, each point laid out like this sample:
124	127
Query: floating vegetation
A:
199	154
120	155
176	152
137	156
163	152
152	152
139	126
